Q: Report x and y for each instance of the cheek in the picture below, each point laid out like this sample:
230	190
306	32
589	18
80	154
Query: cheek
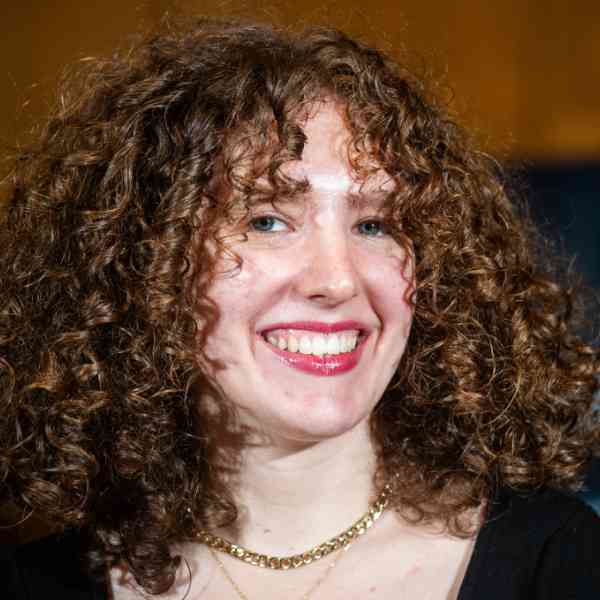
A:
398	277
242	289
393	287
242	294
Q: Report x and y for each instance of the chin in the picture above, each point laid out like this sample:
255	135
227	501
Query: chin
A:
315	420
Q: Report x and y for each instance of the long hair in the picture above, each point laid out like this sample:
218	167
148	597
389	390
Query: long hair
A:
108	241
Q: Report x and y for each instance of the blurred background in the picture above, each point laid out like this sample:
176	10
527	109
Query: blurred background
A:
523	75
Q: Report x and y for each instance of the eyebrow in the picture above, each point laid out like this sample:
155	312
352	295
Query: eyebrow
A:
355	200
359	200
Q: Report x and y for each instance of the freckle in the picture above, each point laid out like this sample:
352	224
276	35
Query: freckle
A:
266	531
373	589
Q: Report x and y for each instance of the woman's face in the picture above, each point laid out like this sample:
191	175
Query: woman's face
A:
314	323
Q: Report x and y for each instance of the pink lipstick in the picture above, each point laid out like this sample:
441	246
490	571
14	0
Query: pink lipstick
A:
317	326
327	365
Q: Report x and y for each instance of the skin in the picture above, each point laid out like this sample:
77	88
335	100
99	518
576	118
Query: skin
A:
324	257
321	257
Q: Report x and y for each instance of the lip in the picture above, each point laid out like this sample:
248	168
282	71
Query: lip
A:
317	326
325	366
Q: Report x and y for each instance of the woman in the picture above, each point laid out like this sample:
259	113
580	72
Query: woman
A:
263	300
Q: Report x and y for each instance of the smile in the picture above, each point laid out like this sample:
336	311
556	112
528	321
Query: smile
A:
307	342
317	348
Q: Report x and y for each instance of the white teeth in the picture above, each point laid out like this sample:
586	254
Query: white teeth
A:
293	345
305	345
344	344
319	346
316	344
333	344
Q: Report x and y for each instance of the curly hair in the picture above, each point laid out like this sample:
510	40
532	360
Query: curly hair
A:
100	330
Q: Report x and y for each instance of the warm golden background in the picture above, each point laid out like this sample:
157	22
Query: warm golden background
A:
523	74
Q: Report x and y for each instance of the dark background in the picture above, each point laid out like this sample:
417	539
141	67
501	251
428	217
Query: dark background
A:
565	200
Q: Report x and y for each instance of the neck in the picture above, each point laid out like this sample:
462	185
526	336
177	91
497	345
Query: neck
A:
293	499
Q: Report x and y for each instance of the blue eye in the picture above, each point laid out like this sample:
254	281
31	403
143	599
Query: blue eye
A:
371	228
267	224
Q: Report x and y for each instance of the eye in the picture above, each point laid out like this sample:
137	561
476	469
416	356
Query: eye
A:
267	224
371	228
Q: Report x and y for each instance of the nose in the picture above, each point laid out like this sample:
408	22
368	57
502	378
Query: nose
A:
330	275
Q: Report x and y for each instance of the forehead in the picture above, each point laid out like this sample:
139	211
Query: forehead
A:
325	164
326	168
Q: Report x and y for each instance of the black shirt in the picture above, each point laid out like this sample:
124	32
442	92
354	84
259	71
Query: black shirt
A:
539	546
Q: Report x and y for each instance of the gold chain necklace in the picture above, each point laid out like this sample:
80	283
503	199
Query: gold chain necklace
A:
343	540
305	596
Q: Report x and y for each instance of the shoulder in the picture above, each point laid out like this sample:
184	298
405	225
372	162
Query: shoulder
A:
536	545
568	567
539	513
48	568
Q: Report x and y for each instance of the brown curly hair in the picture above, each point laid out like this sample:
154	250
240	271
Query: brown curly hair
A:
100	331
